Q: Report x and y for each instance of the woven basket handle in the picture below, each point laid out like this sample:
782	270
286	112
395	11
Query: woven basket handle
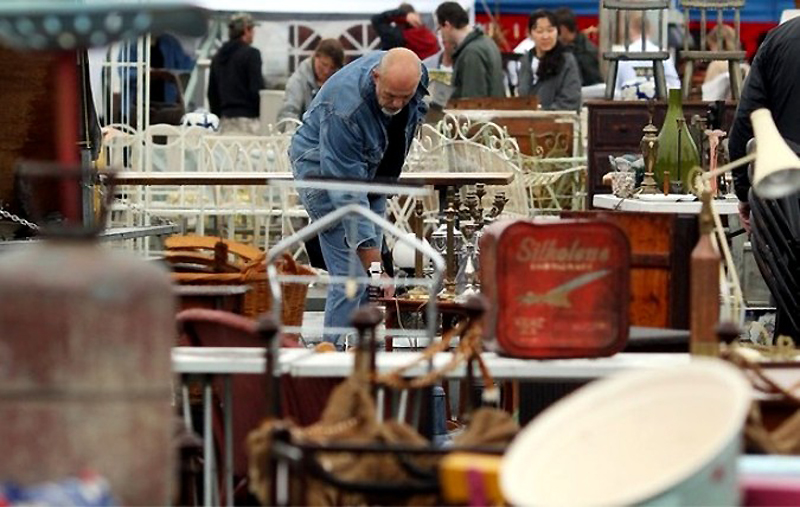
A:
290	265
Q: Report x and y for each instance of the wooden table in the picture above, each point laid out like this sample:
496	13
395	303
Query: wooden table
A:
687	205
441	181
435	179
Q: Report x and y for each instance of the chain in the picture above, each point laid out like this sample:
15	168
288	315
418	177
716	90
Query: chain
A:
18	219
138	208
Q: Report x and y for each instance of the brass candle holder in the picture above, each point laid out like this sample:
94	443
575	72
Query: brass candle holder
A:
449	290
649	146
468	282
480	191
418	223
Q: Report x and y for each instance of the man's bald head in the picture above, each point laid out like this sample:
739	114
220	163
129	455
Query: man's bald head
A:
396	79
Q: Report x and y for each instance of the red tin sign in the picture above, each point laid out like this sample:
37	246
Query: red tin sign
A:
557	289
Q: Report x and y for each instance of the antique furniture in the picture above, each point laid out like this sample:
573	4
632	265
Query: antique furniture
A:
690	205
615	128
538	132
436	179
661	245
734	57
621	9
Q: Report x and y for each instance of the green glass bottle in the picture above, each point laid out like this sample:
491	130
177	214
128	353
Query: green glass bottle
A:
678	165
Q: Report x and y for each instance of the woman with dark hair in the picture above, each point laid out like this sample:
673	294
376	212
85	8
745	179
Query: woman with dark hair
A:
548	70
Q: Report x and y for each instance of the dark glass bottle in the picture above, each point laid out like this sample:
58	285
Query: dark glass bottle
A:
678	165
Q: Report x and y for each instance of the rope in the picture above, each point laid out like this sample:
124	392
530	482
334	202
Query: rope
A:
785	438
469	347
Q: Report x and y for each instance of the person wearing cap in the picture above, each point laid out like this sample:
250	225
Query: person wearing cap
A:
235	79
359	127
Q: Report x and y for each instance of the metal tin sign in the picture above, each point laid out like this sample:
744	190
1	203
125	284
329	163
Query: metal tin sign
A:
558	289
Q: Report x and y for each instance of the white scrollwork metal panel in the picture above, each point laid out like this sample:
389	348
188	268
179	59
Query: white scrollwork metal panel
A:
241	212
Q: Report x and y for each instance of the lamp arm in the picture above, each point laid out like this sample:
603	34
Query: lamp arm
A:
729	166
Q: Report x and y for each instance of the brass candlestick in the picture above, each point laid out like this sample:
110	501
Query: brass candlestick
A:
480	191
418	292
499	205
449	290
419	232
472	206
649	146
467	276
464	211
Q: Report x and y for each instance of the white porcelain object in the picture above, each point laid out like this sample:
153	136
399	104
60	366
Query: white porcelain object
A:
655	437
404	255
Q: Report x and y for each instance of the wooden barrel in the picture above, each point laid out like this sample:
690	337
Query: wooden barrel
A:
85	373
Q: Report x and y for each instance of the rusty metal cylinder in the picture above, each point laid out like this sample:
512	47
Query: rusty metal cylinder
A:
85	374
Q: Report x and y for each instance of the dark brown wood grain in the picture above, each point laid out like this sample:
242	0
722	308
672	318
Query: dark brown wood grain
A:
26	113
661	246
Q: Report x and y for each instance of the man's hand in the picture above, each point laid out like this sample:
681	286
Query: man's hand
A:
744	215
370	255
413	19
388	290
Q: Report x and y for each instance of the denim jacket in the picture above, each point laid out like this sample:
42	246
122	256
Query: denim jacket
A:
344	136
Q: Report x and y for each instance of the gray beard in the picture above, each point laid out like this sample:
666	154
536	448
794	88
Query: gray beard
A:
388	112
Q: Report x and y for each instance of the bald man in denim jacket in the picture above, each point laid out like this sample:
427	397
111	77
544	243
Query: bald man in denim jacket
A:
358	127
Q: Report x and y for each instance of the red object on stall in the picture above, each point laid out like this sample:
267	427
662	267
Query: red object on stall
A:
557	289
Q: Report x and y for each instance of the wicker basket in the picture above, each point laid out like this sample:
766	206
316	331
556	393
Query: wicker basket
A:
248	268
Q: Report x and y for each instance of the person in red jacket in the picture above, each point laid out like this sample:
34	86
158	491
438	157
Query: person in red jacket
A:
403	27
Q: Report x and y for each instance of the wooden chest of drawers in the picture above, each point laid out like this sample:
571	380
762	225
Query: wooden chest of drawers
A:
615	128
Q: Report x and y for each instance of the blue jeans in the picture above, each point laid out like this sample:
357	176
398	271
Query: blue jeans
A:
341	258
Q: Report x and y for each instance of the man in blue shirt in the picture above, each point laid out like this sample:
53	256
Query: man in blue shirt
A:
358	127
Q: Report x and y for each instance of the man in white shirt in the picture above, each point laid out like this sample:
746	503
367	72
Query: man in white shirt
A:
631	71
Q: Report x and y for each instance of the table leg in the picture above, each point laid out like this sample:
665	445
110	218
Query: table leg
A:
392	322
442	190
187	409
208	444
228	441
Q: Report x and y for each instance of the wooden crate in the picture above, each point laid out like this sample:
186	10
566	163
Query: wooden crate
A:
661	246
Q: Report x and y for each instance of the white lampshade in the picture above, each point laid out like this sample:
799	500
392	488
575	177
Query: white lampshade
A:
777	169
404	256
